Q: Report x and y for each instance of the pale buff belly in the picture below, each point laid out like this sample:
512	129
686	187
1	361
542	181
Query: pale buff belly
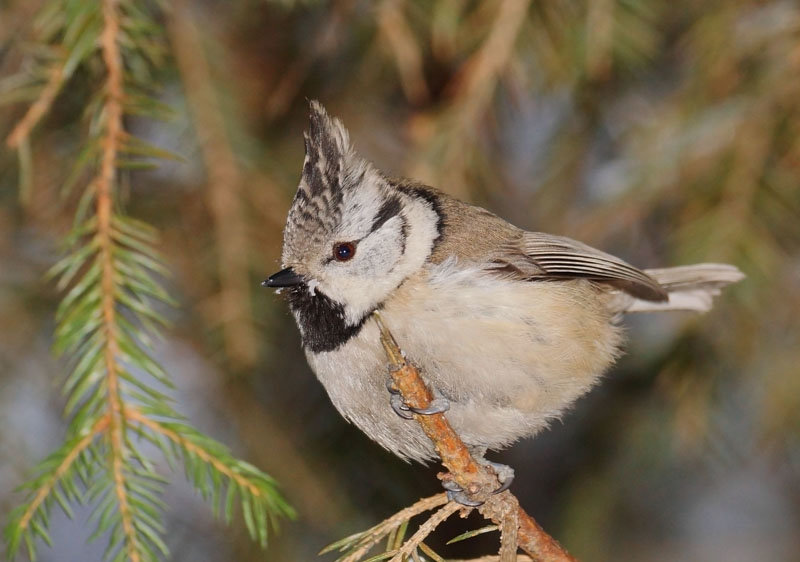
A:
509	356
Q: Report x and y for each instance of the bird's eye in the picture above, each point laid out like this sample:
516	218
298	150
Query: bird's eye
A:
344	251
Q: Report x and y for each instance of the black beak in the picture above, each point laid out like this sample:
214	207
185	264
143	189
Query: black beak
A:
284	278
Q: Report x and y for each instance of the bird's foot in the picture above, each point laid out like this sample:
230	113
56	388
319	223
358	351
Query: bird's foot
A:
460	496
455	493
504	473
438	405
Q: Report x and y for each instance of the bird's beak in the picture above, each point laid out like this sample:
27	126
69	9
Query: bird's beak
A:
284	278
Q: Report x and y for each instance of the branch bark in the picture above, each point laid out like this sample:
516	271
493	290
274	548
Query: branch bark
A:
476	480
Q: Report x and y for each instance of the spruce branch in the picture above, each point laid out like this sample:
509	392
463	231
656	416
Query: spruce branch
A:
107	320
208	462
55	482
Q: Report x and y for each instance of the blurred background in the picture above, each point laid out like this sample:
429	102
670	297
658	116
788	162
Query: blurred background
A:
663	132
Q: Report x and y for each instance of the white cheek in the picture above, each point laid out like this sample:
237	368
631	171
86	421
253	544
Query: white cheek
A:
379	253
366	280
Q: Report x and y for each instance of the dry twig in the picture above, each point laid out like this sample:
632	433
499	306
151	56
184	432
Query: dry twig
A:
424	530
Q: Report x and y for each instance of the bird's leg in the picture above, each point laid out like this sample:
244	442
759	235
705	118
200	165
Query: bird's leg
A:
438	405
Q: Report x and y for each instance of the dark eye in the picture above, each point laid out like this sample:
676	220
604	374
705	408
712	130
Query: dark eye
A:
344	251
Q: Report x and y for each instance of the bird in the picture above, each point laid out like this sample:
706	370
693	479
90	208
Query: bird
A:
508	327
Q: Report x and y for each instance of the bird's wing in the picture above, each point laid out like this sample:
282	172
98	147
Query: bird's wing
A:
539	256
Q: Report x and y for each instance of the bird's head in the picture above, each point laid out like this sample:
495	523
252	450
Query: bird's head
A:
352	235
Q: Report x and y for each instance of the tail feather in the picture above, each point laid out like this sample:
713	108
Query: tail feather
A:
690	287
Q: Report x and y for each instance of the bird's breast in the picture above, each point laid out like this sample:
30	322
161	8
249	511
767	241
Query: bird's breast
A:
509	355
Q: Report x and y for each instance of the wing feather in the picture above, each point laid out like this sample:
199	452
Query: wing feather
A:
537	255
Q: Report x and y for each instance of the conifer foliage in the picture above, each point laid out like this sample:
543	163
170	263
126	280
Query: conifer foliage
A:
109	314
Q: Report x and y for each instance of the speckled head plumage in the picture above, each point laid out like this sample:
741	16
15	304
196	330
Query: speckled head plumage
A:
330	169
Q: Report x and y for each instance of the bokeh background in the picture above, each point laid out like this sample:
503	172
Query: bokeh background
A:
664	132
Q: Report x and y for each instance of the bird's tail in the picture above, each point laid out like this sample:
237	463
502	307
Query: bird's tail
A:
690	287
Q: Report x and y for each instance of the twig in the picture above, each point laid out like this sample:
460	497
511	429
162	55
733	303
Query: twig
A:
368	539
509	533
495	558
424	530
455	456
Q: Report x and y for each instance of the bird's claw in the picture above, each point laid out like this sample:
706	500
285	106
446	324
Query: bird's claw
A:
438	405
399	406
455	493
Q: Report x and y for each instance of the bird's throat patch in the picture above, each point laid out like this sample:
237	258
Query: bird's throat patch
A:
322	321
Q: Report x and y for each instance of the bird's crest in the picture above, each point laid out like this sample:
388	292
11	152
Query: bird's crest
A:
327	153
331	168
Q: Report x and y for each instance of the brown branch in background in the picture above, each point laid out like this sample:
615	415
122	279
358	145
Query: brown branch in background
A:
599	37
475	84
325	41
472	477
225	184
38	108
408	58
471	89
